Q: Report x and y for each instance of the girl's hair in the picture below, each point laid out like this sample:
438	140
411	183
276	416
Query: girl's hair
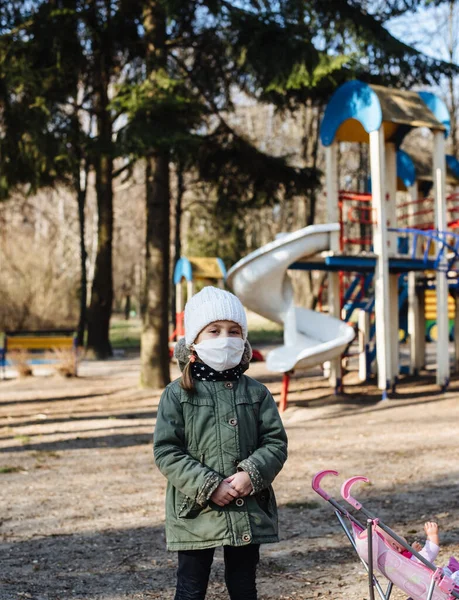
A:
187	379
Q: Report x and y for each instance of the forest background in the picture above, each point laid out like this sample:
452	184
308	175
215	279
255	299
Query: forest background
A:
136	131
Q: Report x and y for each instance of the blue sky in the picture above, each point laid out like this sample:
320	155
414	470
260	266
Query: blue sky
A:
429	31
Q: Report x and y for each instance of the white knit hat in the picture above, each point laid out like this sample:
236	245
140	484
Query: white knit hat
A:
209	305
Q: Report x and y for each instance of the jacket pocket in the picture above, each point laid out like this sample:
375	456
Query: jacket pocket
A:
199	418
248	412
187	508
267	501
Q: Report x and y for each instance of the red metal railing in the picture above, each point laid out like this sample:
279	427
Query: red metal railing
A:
356	217
415	213
418	218
453	210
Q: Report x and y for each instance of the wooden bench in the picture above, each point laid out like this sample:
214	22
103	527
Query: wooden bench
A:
32	344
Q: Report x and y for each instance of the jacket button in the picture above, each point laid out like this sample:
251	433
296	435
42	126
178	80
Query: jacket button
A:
236	462
233	422
228	385
239	502
246	537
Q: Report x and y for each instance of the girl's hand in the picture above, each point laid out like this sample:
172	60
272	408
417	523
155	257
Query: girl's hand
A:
224	494
417	546
241	483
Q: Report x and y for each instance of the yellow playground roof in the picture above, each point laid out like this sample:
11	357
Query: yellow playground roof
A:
193	268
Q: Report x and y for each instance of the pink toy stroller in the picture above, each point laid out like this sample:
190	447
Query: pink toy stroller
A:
421	581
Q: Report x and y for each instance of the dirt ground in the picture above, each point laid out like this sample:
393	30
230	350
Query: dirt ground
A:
82	503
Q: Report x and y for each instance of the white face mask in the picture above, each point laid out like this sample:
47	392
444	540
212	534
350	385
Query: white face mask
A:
221	353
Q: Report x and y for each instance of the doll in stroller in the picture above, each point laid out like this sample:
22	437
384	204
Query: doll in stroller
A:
382	551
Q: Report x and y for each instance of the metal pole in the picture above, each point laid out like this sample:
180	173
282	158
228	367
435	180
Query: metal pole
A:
364	340
389	590
422	329
284	391
371	588
334	304
456	331
416	325
190	290
349	536
394	326
431	589
414	330
390	158
179	311
439	167
382	312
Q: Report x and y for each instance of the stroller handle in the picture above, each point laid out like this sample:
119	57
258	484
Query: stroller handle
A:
346	490
316	483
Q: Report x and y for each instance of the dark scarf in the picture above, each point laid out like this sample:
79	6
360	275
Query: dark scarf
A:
203	372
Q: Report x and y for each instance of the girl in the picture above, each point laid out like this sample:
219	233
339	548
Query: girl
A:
220	443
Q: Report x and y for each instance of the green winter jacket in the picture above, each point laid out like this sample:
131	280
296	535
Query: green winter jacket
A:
204	436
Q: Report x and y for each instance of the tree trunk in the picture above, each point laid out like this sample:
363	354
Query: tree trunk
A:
100	310
154	353
155	338
310	154
177	232
81	200
127	307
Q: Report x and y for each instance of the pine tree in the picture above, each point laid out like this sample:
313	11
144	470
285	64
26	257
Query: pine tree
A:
68	56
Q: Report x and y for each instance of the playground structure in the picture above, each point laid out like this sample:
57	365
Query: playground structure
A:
210	270
430	314
383	253
382	117
310	338
415	214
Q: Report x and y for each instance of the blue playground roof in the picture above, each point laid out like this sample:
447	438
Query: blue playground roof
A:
356	109
406	171
453	164
182	270
352	100
439	109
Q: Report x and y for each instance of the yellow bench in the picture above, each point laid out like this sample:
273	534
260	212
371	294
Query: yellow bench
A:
31	344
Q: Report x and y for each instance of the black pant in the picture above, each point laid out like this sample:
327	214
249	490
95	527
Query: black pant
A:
240	571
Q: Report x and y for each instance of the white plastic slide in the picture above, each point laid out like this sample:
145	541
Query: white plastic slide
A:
261	282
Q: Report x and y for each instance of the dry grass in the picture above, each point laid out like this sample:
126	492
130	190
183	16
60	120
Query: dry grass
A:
67	361
19	359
